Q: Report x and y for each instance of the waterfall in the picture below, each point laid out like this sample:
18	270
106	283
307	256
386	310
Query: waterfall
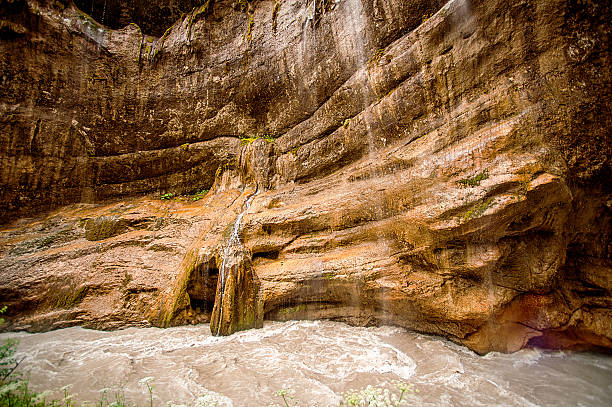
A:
232	246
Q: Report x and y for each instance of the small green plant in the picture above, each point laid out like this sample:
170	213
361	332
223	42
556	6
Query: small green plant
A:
199	194
67	399
245	60
47	241
475	180
126	279
477	210
247	140
287	396
15	393
346	123
8	363
167	196
146	381
378	396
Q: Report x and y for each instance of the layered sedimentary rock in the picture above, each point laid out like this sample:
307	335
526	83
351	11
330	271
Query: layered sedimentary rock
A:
443	167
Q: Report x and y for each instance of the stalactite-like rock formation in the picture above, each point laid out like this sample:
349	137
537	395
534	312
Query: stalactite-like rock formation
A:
442	167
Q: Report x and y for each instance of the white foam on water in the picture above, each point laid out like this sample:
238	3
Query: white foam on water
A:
317	359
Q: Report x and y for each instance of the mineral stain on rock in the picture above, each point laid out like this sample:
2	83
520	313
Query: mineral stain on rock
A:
439	166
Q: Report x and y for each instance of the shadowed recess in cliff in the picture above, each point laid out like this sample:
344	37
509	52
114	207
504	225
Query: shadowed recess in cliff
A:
153	17
201	289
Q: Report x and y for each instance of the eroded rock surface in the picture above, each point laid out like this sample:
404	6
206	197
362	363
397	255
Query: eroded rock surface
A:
443	167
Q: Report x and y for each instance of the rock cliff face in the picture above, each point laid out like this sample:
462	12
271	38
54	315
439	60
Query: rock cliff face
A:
443	167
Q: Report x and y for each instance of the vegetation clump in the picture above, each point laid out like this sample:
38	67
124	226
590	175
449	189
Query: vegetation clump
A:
475	180
199	194
287	396
195	195
477	210
8	363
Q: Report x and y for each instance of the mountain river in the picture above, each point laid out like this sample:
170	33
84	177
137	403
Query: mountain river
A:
315	360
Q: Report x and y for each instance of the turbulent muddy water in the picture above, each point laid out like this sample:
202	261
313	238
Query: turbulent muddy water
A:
317	360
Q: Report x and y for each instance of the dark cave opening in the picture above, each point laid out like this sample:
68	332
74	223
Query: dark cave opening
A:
202	288
270	255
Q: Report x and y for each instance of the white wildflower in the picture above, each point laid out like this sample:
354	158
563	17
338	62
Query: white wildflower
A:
66	388
207	400
146	380
210	399
9	388
377	396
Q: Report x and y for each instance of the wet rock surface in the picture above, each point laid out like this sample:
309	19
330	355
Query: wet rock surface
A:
442	167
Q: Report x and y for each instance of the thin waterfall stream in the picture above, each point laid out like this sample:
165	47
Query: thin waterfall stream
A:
229	249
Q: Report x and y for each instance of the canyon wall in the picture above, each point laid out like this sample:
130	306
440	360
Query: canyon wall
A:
442	167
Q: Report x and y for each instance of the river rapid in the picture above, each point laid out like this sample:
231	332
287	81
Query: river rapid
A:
316	360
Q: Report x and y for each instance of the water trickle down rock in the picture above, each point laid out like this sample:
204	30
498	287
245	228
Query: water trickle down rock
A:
238	303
